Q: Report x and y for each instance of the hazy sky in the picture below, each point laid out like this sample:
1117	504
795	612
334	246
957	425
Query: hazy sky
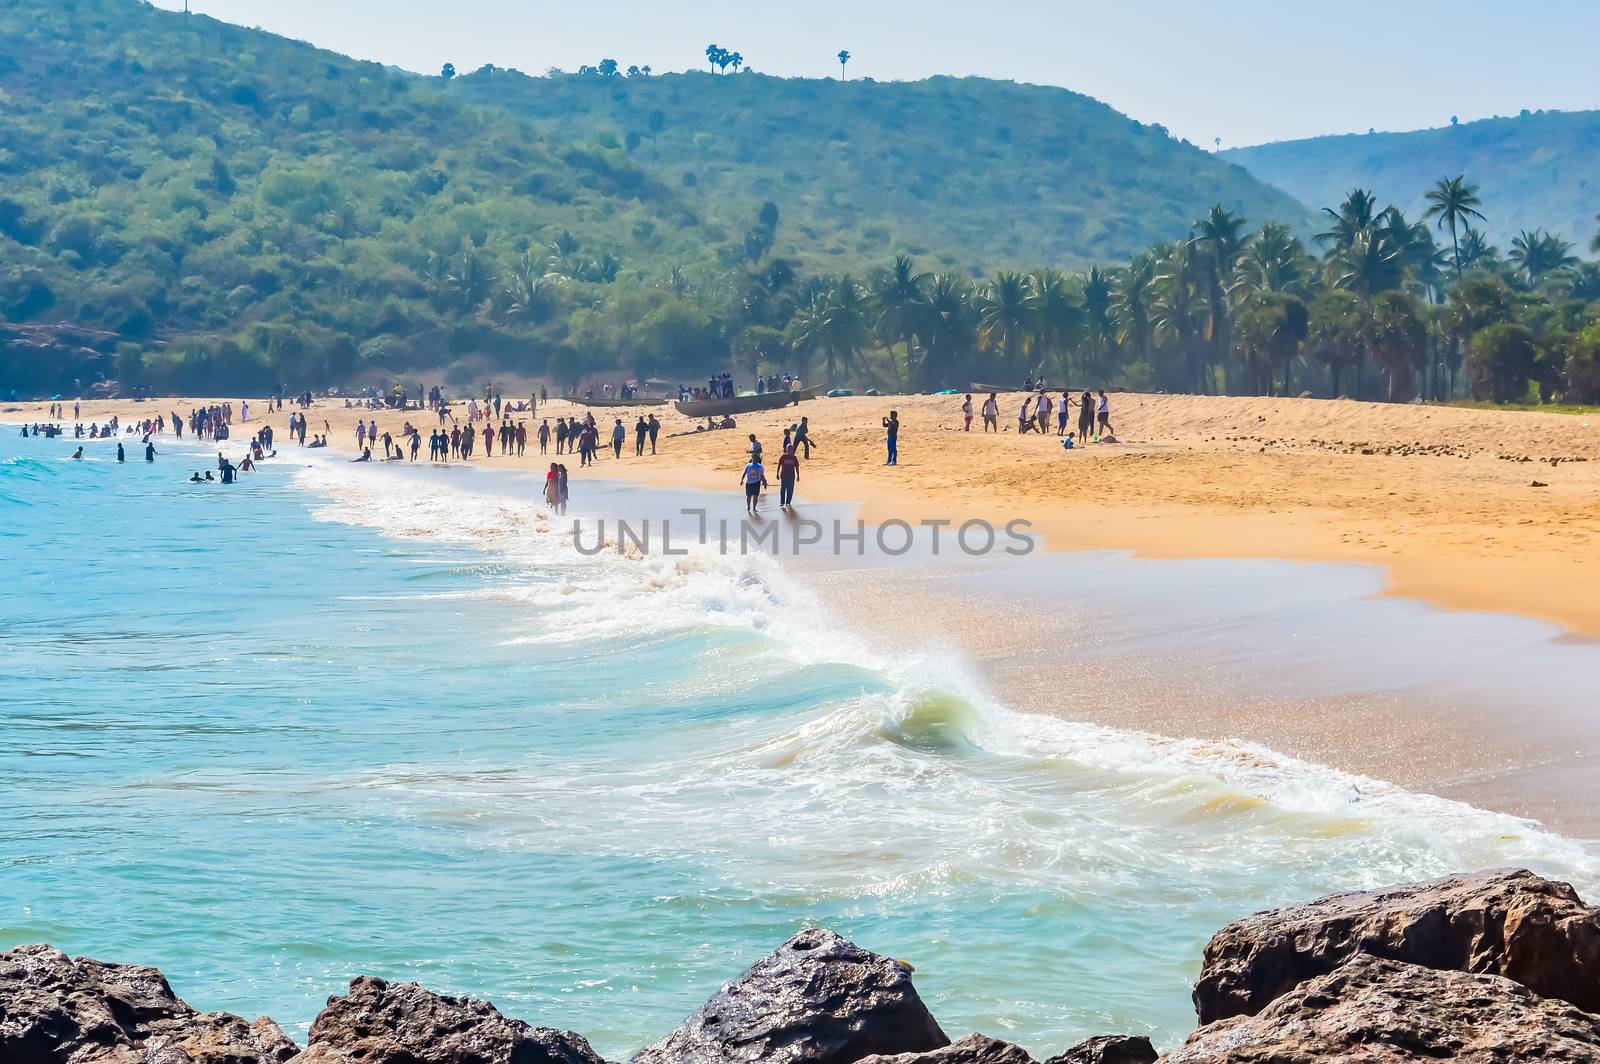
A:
1243	70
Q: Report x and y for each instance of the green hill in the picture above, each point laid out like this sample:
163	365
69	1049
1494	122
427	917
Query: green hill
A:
200	202
964	173
1540	170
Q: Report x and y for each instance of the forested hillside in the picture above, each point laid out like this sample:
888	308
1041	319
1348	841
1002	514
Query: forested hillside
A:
210	204
1540	170
967	174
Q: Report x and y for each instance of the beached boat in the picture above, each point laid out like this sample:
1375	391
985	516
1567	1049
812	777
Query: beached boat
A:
743	404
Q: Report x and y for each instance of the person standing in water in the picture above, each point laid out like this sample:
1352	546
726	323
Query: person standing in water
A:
754	478
891	428
788	473
149	450
121	455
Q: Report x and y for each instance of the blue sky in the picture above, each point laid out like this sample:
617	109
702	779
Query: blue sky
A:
1243	70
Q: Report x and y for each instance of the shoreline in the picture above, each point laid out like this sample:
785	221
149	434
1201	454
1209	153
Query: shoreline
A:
1440	497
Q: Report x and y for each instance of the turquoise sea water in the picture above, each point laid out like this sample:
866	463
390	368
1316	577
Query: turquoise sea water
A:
336	721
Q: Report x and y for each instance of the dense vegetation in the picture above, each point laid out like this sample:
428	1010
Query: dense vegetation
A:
210	206
968	174
190	205
1541	170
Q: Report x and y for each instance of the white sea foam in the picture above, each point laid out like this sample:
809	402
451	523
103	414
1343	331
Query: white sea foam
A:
1237	790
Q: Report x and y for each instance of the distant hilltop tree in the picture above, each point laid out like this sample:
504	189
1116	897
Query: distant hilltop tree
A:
448	72
844	57
721	59
607	68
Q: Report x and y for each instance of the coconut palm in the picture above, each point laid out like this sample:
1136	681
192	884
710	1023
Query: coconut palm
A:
1056	317
1539	253
1356	214
1476	251
1338	333
949	330
1272	261
848	325
1178	311
898	302
1368	265
1099	324
1594	245
1454	203
1398	337
1133	303
843	57
1219	236
1005	317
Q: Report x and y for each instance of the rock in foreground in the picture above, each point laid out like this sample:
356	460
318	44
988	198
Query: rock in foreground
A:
1109	1049
379	1022
973	1049
1508	923
56	1009
1386	1012
818	999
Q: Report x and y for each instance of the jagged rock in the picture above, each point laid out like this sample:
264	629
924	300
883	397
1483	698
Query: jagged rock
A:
817	999
973	1049
56	1009
1503	922
1387	1012
379	1022
1109	1049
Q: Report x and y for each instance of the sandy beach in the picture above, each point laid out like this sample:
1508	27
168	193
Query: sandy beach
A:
1443	498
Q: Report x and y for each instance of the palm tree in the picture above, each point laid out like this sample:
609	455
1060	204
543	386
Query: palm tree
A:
1594	245
1539	253
1369	265
1337	332
1219	238
735	60
471	278
1272	261
1454	202
1133	303
808	330
1178	308
1357	213
716	56
1057	316
949	330
1099	326
898	299
1005	317
1398	337
1476	250
847	323
844	57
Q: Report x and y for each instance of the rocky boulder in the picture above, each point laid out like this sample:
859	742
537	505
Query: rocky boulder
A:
1506	922
1109	1049
973	1049
1386	1012
817	999
379	1022
56	1009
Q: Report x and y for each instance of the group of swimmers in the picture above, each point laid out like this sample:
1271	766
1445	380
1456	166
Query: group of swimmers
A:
1094	415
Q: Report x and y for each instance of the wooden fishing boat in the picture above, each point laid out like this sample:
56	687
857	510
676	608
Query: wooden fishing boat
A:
743	404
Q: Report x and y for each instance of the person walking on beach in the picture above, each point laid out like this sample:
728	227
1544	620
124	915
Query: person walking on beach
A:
754	478
619	435
966	415
1061	414
655	427
991	414
788	473
561	435
1042	413
522	437
1024	418
755	448
1085	417
544	436
1103	412
640	431
891	429
802	437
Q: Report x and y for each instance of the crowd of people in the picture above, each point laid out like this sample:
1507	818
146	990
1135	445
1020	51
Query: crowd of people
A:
1094	416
